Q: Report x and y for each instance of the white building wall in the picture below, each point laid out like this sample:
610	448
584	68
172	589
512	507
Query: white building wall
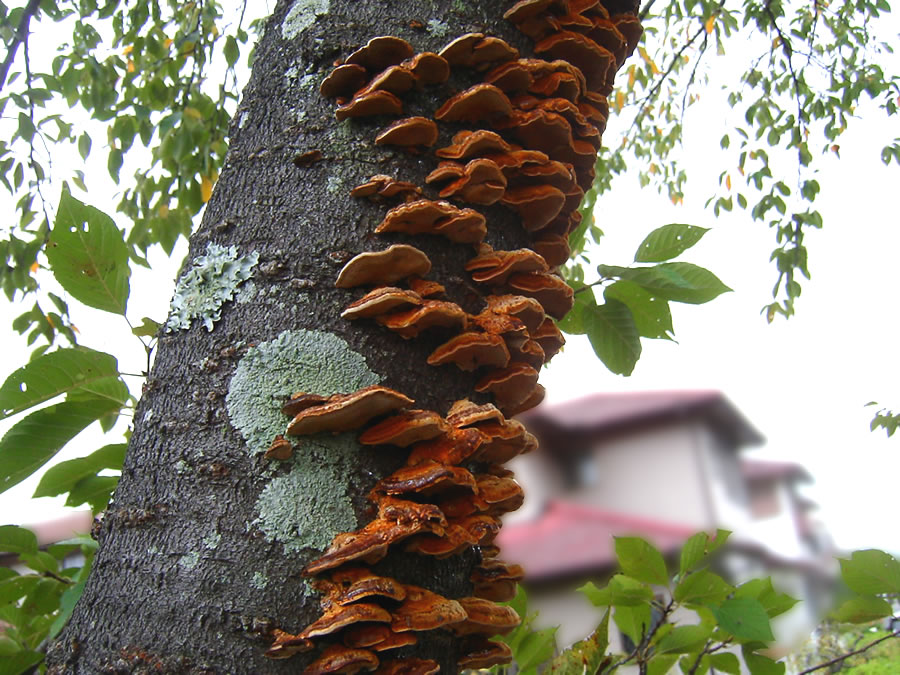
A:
652	474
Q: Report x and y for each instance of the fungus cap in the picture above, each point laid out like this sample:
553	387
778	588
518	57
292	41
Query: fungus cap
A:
465	413
377	637
405	428
554	294
368	104
340	659
468	144
381	301
429	68
471	350
481	102
486	617
411	131
338	617
478	654
381	52
425	610
431	314
384	267
510	386
280	448
425	478
286	645
344	412
343	81
452	448
387	187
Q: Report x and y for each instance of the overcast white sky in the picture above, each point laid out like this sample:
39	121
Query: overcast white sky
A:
802	382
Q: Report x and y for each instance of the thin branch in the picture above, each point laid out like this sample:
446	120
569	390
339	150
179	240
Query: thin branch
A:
646	11
654	91
838	659
18	38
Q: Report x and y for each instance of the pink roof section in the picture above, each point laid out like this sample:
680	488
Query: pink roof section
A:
572	538
758	469
611	412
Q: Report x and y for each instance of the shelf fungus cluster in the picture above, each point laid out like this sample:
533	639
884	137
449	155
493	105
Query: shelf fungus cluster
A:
524	136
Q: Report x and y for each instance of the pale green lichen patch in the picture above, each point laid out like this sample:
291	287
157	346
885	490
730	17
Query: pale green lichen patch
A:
210	282
307	507
438	27
189	561
259	581
300	360
212	540
302	15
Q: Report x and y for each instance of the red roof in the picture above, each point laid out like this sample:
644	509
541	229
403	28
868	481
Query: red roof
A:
571	538
614	412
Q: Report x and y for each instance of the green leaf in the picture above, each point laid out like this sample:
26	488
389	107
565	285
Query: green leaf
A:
871	571
64	371
639	559
88	255
231	50
614	336
585	302
863	609
668	241
661	664
37	438
94	491
726	662
702	588
586	656
11	590
684	639
745	619
651	315
621	591
761	665
148	328
84	145
698	547
62	477
678	282
20	662
15	539
536	648
633	621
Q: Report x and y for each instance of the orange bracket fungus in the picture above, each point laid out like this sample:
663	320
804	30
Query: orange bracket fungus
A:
526	132
384	267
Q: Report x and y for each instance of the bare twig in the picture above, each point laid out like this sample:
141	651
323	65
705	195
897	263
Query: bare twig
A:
18	38
842	657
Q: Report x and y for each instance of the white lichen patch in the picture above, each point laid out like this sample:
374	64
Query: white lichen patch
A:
307	507
207	285
302	15
300	360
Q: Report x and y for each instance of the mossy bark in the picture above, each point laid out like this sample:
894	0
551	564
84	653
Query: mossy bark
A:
186	579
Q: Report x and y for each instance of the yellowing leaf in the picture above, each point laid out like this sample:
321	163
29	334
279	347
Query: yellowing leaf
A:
631	72
710	24
620	99
130	66
206	186
215	31
167	43
728	181
776	42
654	168
128	49
193	112
34	267
163	211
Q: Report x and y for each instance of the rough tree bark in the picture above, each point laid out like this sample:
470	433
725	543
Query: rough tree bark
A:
203	546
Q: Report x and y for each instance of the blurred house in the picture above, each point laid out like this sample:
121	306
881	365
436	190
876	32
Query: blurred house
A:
662	466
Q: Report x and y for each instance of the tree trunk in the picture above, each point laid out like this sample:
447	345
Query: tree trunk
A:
203	548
